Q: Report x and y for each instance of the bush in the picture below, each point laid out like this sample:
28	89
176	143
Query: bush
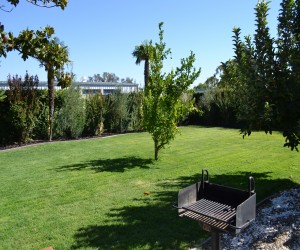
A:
135	111
5	125
116	117
95	111
70	118
40	131
24	107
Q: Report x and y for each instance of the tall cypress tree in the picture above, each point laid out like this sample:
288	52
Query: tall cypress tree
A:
264	71
287	71
269	70
256	60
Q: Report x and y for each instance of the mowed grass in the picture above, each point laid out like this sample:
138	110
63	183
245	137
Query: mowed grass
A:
90	194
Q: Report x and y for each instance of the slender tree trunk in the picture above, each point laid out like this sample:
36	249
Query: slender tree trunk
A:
146	74
50	75
156	149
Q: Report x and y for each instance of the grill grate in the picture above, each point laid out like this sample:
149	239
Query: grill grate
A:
210	212
212	209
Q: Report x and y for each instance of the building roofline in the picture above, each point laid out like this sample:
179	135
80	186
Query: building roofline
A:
86	84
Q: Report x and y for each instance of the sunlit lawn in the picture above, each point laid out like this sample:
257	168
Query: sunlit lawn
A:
89	194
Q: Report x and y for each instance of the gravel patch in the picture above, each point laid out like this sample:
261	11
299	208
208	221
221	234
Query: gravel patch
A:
277	226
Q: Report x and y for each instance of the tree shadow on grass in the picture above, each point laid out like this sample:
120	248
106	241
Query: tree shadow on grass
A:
109	165
150	222
139	227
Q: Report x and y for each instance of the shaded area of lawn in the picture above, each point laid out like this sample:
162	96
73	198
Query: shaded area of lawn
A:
142	227
155	224
110	165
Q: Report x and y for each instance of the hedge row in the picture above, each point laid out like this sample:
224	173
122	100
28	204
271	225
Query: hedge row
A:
24	113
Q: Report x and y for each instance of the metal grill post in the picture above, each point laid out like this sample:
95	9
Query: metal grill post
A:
215	240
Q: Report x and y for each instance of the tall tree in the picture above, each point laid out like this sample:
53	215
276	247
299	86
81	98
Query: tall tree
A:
268	74
141	53
288	71
51	54
256	71
264	82
163	106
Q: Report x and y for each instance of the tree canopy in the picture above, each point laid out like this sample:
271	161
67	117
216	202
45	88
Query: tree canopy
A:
141	53
265	74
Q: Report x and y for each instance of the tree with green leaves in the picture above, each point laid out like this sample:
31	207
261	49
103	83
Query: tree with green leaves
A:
163	106
141	53
268	72
51	54
287	72
255	63
40	44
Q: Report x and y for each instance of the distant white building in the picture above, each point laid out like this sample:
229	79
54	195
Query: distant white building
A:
86	88
106	88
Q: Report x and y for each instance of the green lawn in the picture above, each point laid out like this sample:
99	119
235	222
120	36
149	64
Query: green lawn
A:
89	194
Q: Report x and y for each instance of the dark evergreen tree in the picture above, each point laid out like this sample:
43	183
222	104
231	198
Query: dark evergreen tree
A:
268	74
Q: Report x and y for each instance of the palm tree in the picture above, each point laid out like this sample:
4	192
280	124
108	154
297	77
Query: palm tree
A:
141	53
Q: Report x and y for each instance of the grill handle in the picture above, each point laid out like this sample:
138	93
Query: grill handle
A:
206	177
251	187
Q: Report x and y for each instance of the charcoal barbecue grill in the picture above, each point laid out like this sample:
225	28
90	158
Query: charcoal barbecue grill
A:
218	208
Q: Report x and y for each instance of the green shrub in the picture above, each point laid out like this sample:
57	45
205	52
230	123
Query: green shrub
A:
117	116
95	111
24	107
5	129
70	118
40	131
135	111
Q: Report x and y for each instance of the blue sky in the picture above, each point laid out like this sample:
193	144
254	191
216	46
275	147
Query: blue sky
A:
101	35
